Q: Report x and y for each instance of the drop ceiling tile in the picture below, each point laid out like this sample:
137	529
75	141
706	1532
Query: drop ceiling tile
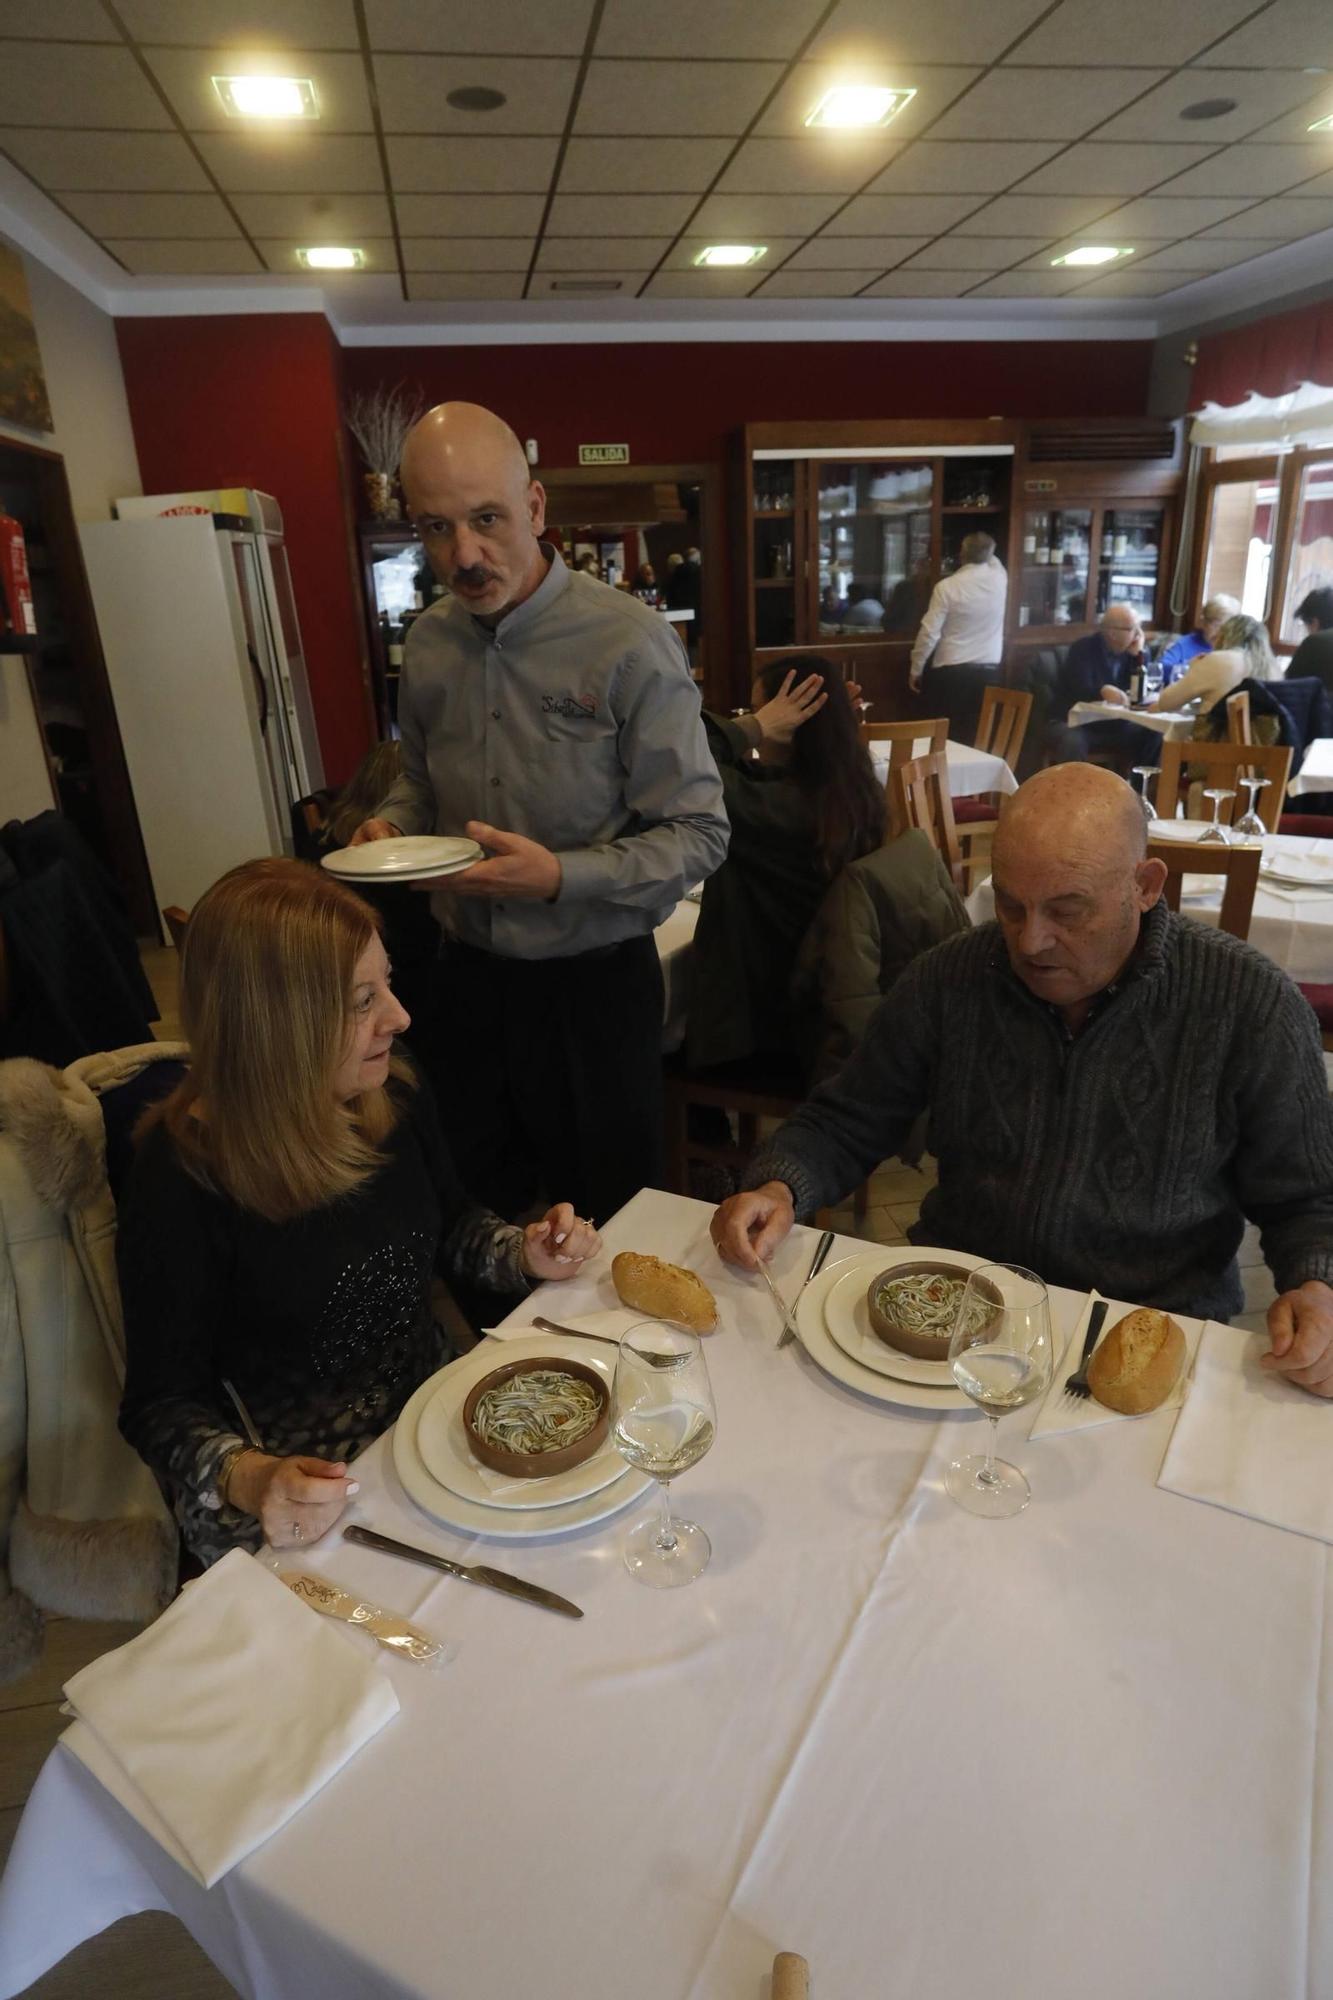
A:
151	214
467	253
846	253
982	166
169	259
1088	31
861	29
816	163
622	215
1290	34
472	166
186	76
320	24
586	285
52	20
1025	285
1036	214
916	284
744	215
1288	216
1166	215
1321	184
501	27
679	284
100	160
1295	125
668	97
612	167
1137	284
1042	103
1200	253
776	250
292	161
935	88
902	214
606	253
775	29
1105	168
473	214
60	83
1261	95
315	218
457	285
279	253
413	93
791	284
1248	170
975	253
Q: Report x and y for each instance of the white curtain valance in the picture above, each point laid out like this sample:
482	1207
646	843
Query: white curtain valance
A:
1303	417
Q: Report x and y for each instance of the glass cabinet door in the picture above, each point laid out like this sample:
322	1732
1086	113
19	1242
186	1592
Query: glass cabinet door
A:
774	499
1053	580
1131	553
873	531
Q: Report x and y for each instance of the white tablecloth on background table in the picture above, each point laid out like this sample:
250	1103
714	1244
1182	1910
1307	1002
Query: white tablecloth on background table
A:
674	939
1175	727
1077	1752
1316	773
1293	927
970	770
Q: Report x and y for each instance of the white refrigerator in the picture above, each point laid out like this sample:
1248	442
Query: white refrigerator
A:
203	651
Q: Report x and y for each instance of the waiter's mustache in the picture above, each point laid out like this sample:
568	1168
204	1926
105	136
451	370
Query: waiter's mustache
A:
474	577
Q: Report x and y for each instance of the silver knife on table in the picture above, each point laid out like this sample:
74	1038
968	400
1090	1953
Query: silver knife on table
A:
493	1579
822	1249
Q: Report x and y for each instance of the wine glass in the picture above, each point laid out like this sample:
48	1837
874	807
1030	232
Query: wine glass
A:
1249	826
664	1423
1216	831
1001	1357
1143	772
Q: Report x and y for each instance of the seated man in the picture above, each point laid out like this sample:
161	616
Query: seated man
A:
1106	659
1178	653
1314	655
1112	1089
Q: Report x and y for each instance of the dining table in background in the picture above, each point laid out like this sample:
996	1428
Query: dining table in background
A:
1176	728
971	771
1077	1752
1316	772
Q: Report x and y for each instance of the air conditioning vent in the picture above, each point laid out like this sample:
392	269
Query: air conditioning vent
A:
1138	441
586	285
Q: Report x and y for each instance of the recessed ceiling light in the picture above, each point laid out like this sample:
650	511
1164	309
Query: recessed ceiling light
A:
475	97
1322	124
331	257
1209	107
725	254
267	96
1092	253
848	106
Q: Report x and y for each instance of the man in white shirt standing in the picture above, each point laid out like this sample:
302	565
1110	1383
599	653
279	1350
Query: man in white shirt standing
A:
961	640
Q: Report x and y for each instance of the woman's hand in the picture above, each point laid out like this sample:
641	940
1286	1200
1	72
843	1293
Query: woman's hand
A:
1116	697
295	1500
558	1245
780	718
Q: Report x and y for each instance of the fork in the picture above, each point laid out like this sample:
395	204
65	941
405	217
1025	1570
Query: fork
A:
1077	1385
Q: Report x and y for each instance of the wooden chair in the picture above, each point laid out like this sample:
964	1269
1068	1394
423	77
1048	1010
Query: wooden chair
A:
919	796
1001	728
902	737
175	919
1224	764
745	1096
1239	867
1240	729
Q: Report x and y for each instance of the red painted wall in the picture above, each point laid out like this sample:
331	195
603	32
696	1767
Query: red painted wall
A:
254	400
1270	356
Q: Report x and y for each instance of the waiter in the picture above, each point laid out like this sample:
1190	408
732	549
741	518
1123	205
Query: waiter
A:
963	630
554	720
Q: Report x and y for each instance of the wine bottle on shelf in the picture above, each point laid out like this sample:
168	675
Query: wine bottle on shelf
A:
1108	545
1030	538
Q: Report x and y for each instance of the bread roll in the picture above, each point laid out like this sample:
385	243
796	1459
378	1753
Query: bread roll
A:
1139	1362
663	1290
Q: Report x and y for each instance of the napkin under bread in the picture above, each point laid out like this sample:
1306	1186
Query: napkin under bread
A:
1059	1412
225	1717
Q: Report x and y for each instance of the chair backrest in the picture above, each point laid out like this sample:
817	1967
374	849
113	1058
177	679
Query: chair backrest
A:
1224	764
1239	867
1240	728
175	919
902	737
1003	723
919	796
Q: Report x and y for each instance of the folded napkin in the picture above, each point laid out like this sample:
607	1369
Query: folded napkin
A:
1287	893
1059	1412
1251	1441
220	1721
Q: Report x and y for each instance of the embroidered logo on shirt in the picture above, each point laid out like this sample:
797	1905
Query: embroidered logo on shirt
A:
577	707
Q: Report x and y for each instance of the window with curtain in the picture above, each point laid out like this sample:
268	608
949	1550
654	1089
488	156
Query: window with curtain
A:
1238	552
1311	563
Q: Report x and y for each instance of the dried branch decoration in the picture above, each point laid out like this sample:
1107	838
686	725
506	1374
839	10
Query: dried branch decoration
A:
379	420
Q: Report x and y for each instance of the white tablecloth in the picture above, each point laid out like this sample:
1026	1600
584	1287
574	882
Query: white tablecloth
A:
674	939
1293	927
1174	727
1316	773
970	770
1079	1752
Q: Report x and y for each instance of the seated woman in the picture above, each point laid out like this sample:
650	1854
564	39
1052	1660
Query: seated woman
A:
287	1208
1242	653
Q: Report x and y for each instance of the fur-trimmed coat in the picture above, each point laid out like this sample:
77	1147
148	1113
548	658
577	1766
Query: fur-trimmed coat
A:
84	1531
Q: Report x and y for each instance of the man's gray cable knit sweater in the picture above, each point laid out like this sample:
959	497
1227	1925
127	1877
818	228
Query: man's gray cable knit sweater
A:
1126	1158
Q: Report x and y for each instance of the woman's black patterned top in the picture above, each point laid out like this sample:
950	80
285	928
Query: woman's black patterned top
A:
322	1323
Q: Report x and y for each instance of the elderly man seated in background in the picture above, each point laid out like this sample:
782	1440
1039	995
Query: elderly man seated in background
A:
1101	667
1112	1089
1177	655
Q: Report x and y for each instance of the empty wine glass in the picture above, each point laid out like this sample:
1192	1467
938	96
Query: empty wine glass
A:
1143	772
1001	1357
1249	826
1216	831
664	1422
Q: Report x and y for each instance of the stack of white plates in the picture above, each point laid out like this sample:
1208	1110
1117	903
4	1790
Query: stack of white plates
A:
438	1471
833	1321
1299	871
415	857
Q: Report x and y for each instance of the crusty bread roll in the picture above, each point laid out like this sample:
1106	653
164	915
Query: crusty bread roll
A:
1139	1362
663	1290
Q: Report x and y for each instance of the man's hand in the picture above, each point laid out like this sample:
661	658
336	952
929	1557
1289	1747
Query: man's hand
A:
375	829
1300	1327
520	868
914	683
1116	696
750	1226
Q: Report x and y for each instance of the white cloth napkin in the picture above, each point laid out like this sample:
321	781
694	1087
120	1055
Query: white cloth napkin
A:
220	1721
1059	1412
1252	1441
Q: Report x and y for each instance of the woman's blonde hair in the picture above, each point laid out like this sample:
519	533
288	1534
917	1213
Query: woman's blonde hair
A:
1248	637
266	997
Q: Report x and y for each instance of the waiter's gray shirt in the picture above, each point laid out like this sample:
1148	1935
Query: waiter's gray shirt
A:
574	721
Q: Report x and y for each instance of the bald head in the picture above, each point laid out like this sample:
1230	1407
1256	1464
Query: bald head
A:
1074	810
463	436
476	506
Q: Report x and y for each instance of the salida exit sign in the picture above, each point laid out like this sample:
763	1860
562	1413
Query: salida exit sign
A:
603	454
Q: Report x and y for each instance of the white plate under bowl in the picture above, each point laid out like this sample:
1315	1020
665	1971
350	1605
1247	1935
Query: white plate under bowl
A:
1299	871
413	857
451	1510
826	1354
847	1316
443	1449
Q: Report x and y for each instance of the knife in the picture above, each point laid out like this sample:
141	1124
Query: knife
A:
825	1244
494	1579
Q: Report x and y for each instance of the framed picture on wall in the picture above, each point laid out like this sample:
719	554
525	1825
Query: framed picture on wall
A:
23	397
